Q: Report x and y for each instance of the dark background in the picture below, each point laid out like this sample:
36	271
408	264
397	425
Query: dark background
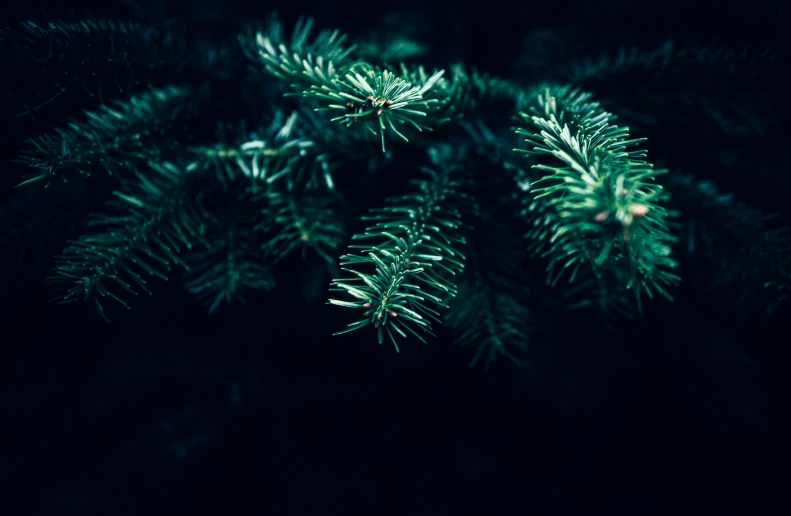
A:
258	410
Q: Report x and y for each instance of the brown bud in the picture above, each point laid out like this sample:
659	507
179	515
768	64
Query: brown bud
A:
601	216
388	102
638	210
367	305
377	324
392	313
379	111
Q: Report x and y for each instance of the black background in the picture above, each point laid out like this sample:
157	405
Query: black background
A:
675	412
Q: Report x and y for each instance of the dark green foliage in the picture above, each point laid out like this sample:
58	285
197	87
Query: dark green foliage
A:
112	137
490	314
305	220
413	263
724	98
746	246
599	208
50	62
152	224
474	211
227	269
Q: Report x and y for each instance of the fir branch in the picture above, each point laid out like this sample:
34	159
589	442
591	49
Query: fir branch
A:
111	137
323	70
740	245
84	54
669	76
306	220
490	313
311	62
288	57
604	290
415	259
367	93
155	221
295	147
228	269
269	153
604	210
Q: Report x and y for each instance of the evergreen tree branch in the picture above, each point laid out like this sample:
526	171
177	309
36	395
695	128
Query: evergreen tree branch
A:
415	259
111	137
739	244
305	220
323	70
46	61
275	151
287	177
602	208
295	147
229	268
155	221
669	75
490	313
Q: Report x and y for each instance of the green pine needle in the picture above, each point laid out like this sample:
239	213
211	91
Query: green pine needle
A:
602	208
414	260
155	222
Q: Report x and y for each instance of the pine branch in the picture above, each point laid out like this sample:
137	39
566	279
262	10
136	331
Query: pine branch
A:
602	208
285	174
740	245
111	137
288	58
276	150
490	312
294	147
322	69
305	220
48	60
415	259
228	269
155	221
690	81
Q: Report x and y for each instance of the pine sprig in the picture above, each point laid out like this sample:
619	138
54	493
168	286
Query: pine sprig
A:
603	210
328	44
322	69
367	93
45	61
287	177
269	153
230	267
745	245
39	45
670	77
415	258
154	223
302	59
111	137
490	314
306	220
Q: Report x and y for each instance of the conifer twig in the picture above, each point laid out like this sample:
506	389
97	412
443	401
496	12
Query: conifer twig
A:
603	209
